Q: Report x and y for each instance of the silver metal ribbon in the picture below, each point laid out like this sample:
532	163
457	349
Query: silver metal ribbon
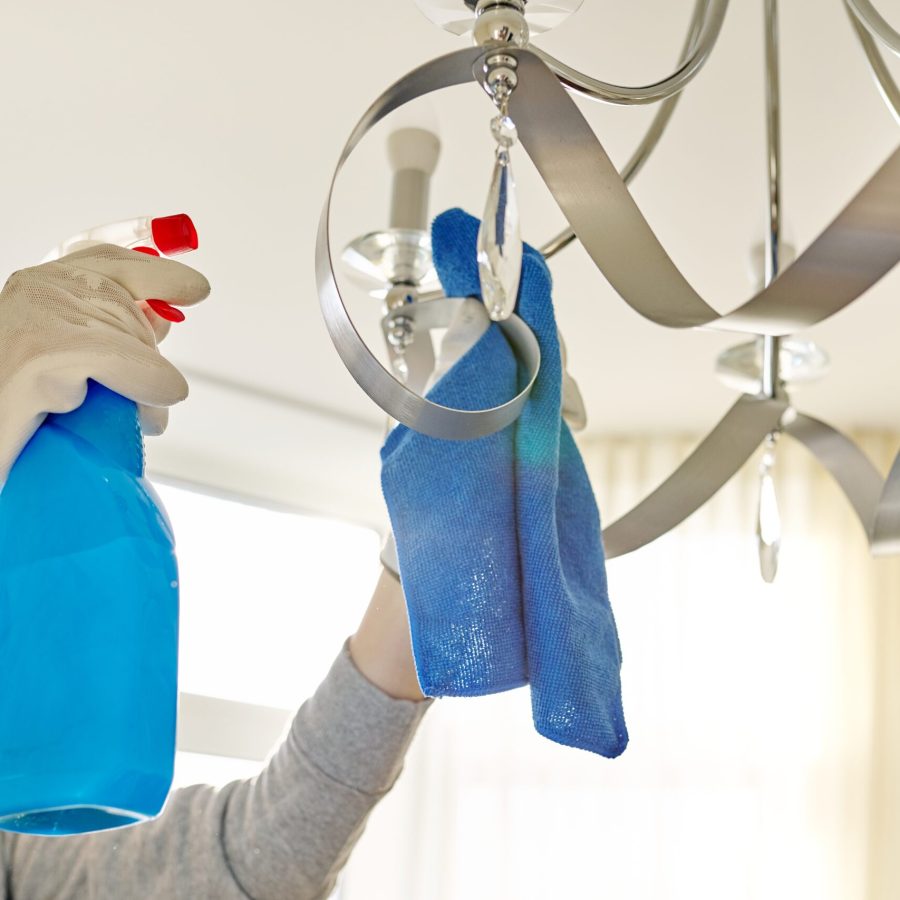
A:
887	87
872	20
654	131
394	397
709	15
875	500
718	457
860	246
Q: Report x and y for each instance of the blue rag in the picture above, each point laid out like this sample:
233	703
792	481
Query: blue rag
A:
498	538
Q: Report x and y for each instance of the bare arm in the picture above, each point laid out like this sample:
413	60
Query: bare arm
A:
285	833
381	646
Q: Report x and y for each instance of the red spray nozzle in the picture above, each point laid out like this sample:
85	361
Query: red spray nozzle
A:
174	234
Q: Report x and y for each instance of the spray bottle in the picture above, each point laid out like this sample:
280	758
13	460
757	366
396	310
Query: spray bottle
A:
88	608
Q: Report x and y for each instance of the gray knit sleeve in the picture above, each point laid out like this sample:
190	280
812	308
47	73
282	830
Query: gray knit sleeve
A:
284	834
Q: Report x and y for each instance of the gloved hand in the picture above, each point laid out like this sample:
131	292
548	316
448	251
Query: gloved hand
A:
86	316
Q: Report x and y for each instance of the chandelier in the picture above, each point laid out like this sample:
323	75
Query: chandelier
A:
532	93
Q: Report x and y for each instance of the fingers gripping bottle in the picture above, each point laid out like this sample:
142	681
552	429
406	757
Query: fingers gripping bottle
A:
88	610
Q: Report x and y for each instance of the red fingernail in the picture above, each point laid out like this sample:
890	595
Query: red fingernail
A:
150	251
166	310
174	234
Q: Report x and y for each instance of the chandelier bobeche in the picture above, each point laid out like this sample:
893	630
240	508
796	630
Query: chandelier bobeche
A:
531	91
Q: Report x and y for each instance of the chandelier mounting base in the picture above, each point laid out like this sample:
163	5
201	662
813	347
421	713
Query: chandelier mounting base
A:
459	16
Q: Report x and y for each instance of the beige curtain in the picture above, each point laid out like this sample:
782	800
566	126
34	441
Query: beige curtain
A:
765	736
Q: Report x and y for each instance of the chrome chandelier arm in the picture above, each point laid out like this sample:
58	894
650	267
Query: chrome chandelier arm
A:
654	132
771	344
887	87
872	20
575	81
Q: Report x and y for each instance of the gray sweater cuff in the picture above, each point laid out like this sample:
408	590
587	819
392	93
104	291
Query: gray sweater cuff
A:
354	732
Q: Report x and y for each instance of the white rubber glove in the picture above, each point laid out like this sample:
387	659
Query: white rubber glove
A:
469	323
83	316
573	410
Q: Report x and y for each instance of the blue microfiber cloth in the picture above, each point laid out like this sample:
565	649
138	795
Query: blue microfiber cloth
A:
498	538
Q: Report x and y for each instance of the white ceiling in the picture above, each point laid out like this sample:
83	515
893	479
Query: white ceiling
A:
236	112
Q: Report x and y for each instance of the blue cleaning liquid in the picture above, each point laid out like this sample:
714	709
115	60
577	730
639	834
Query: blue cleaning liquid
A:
88	628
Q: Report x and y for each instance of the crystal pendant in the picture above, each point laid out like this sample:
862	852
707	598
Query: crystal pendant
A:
499	237
768	520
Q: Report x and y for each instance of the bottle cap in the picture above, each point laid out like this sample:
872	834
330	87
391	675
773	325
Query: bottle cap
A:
174	234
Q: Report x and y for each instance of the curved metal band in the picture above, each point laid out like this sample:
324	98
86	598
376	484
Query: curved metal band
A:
875	24
876	501
613	93
651	138
723	451
391	395
887	87
885	537
849	466
851	254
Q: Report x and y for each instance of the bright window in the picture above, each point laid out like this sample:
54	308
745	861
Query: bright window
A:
267	599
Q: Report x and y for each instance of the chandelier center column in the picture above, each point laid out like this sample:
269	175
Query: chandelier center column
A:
771	345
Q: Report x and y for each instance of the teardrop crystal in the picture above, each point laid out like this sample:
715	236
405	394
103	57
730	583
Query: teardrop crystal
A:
500	242
768	520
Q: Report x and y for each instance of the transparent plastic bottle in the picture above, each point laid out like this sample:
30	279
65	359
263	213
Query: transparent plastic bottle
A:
88	625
